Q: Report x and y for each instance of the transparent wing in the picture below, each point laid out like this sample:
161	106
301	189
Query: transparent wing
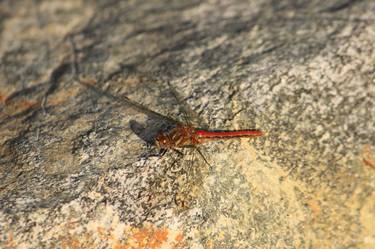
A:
190	117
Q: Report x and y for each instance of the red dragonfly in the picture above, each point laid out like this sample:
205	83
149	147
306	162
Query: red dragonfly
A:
182	135
187	136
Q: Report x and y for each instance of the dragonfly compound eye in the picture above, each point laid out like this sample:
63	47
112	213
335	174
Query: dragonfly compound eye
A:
162	141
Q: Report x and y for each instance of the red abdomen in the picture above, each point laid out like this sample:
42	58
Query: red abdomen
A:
228	134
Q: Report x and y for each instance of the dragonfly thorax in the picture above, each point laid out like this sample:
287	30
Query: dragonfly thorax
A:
180	136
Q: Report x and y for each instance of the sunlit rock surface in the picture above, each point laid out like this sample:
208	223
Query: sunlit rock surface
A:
75	167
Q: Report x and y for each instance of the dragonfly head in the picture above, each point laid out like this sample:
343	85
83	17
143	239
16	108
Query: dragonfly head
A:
163	141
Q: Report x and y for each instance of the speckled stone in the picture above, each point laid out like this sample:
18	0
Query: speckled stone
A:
77	165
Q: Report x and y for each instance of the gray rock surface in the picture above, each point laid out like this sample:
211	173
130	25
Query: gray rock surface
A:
74	164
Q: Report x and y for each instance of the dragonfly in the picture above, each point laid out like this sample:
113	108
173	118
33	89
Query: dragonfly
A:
181	135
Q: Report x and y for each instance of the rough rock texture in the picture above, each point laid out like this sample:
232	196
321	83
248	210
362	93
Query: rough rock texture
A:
75	167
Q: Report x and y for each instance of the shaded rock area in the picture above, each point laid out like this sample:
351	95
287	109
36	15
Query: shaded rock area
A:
76	159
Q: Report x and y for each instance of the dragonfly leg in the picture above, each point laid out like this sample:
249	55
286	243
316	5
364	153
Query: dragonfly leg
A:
158	154
204	158
178	152
200	153
162	152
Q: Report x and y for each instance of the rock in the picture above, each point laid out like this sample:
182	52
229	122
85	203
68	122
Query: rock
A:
77	164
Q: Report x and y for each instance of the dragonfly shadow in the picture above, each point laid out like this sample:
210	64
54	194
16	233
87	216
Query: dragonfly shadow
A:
148	131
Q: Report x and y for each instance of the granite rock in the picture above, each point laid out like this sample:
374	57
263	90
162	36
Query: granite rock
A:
77	162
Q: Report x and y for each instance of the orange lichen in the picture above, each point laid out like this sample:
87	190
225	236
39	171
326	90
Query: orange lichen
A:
62	96
153	238
158	238
26	104
178	242
149	237
10	239
87	81
315	207
118	245
140	236
13	107
179	237
3	98
368	163
368	156
104	234
71	243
